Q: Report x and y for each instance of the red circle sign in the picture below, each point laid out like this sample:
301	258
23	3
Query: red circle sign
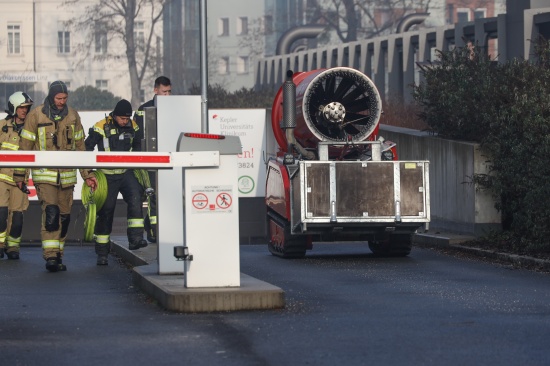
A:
223	201
200	201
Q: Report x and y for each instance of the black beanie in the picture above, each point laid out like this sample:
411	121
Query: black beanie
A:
123	109
55	88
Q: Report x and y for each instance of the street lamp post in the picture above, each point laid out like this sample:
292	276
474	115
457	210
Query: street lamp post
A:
204	67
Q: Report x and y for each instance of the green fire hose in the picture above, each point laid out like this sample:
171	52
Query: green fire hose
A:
93	201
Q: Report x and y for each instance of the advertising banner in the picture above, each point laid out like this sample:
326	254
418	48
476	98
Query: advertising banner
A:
250	126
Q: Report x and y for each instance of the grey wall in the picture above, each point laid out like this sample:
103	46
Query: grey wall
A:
456	205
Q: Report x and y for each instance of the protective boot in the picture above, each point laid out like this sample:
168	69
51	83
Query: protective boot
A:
60	265
137	243
13	255
135	238
55	264
52	265
1	252
102	249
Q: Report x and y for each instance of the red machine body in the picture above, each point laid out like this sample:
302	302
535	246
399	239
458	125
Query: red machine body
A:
334	178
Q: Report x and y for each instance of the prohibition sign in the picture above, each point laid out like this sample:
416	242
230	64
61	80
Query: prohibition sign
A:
200	201
224	200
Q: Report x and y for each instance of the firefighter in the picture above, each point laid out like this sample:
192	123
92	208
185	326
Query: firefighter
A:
117	132
162	86
13	201
54	126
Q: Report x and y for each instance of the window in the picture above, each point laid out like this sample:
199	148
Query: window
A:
480	13
139	36
385	17
462	15
100	39
223	27
63	42
14	39
142	95
243	65
267	24
242	26
223	66
102	84
450	13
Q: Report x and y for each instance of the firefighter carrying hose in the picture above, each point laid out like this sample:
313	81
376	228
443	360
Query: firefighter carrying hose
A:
13	201
54	126
117	133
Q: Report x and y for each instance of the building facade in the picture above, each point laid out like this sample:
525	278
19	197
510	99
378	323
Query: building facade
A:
38	46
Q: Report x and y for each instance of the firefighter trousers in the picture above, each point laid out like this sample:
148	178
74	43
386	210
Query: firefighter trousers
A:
56	203
13	202
132	192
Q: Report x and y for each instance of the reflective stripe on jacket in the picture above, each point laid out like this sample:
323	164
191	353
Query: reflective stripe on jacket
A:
41	133
9	140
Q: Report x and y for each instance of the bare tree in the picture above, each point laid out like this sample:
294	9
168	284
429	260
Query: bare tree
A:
253	41
112	20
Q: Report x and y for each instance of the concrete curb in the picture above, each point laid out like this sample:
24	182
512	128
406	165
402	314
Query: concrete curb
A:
171	294
453	241
253	294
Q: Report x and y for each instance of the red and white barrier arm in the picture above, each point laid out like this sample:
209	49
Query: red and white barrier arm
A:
109	160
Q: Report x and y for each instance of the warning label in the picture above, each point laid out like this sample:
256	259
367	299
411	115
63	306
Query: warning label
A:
212	199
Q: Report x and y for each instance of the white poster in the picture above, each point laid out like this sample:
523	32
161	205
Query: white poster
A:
250	126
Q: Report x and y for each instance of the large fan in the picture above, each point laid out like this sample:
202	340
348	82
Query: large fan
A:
341	104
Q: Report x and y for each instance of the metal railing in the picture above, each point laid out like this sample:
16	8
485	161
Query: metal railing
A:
392	61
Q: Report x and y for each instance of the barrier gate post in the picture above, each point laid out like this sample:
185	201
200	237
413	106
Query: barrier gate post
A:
211	213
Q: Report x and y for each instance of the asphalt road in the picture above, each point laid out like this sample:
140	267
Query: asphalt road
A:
344	307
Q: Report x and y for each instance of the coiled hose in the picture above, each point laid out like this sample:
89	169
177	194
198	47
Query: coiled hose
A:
93	201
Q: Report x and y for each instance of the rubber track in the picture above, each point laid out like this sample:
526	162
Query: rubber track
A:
293	248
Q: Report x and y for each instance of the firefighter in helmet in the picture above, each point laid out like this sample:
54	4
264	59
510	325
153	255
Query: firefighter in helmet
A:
13	201
117	132
54	126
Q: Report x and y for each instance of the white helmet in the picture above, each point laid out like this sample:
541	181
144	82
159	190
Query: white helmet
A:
18	99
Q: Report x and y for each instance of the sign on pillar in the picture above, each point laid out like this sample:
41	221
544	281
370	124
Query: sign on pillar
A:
211	219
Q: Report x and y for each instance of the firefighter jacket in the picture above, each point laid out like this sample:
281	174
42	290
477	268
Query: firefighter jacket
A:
67	134
9	140
107	135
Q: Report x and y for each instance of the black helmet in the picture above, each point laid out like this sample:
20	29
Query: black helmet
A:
18	99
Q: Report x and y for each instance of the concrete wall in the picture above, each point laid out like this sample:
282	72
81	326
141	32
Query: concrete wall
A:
456	204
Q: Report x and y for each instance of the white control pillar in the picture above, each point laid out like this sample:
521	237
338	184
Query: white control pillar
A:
174	115
211	214
197	208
